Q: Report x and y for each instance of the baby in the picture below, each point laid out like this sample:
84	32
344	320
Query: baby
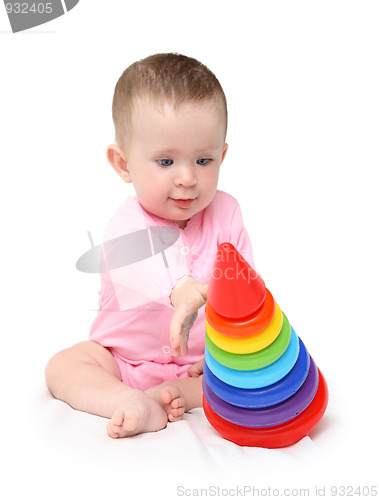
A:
140	367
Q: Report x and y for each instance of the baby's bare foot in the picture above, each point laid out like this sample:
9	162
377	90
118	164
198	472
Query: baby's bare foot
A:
137	414
170	398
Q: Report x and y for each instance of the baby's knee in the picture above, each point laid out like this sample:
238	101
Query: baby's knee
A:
63	361
83	352
56	365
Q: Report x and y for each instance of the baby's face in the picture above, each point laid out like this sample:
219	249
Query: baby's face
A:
174	157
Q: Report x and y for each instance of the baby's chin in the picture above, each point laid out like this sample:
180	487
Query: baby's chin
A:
173	212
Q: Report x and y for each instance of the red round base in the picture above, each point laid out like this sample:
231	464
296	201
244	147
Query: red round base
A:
273	437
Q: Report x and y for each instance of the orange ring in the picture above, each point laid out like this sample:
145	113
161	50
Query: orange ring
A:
242	328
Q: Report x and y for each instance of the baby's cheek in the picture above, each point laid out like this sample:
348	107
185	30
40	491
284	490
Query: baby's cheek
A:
152	199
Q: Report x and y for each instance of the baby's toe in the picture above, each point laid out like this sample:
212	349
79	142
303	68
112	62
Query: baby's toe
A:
115	423
111	432
169	394
173	403
121	423
177	412
130	422
178	403
173	418
117	418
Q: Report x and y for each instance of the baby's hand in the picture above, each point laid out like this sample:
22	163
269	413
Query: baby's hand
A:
196	369
187	297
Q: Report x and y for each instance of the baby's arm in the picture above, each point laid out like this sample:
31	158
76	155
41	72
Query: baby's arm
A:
187	297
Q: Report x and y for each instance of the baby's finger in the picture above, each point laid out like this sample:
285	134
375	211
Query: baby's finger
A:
196	369
174	338
184	341
191	320
175	333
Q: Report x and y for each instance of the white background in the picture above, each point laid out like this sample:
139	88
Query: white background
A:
302	80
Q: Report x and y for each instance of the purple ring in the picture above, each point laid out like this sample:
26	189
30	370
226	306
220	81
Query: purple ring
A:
271	415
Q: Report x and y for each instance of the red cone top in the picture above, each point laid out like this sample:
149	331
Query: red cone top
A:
235	289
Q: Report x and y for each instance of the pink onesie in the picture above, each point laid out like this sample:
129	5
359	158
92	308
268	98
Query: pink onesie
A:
134	315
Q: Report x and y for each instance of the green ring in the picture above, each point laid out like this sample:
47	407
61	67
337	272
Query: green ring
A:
254	360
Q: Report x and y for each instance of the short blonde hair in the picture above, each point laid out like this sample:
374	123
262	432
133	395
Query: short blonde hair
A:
170	77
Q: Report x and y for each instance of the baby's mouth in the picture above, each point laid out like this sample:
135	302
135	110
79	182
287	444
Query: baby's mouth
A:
183	203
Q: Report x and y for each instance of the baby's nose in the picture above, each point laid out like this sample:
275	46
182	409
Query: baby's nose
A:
186	176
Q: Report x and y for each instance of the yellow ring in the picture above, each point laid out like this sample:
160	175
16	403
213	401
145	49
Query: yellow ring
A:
244	345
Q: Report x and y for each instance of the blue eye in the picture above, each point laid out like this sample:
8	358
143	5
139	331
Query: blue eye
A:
165	162
203	161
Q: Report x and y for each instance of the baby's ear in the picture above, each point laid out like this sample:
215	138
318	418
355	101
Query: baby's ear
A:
224	152
117	158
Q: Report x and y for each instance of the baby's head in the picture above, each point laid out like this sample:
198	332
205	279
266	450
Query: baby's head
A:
170	119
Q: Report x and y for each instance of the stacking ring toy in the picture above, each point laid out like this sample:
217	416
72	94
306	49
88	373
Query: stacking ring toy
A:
239	328
254	379
264	396
278	436
254	360
260	385
269	416
253	343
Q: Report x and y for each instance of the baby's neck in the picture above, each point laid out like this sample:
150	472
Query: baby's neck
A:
181	223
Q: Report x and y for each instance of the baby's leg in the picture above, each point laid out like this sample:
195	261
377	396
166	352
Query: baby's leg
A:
87	377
